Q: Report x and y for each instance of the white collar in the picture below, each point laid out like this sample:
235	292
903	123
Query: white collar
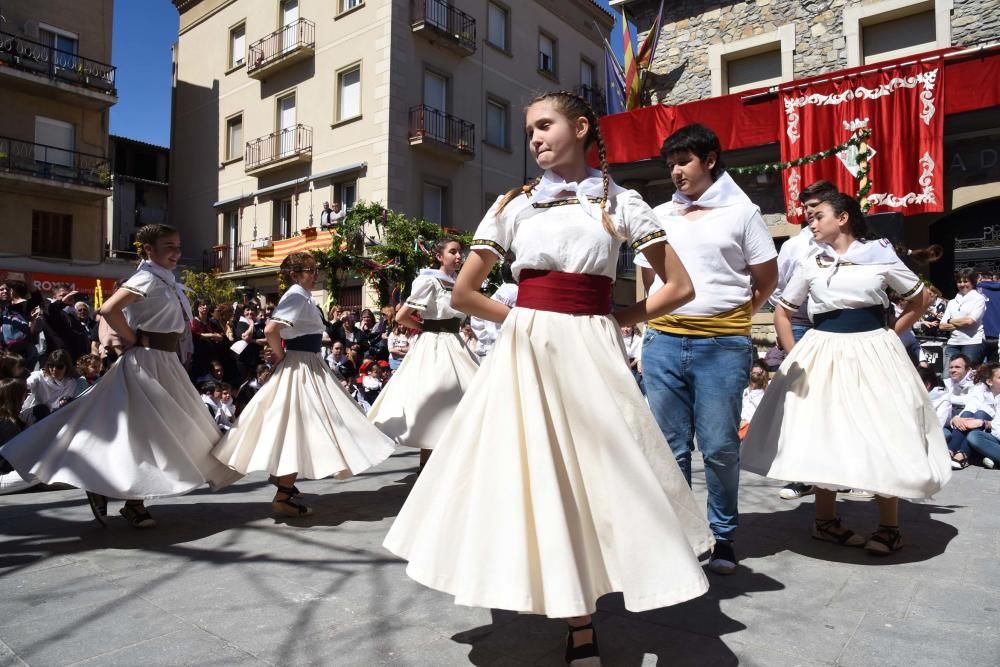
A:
438	273
723	192
164	274
878	251
553	187
300	290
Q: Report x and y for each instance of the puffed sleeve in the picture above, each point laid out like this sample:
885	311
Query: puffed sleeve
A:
290	309
493	232
797	289
421	293
140	284
903	281
641	227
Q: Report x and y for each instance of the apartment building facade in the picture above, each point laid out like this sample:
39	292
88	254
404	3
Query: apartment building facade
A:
282	105
58	88
747	50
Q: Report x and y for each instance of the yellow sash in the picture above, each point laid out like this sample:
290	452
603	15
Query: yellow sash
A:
735	322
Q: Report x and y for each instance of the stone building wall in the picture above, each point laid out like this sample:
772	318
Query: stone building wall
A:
681	65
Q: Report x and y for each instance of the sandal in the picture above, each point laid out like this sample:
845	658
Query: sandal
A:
830	530
274	480
884	541
959	463
137	515
287	506
585	655
99	506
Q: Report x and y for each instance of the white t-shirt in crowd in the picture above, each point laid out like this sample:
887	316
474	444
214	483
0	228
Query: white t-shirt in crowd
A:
633	345
717	250
971	305
985	401
751	399
942	405
958	392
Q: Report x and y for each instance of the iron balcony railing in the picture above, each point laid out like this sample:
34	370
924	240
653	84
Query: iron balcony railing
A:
37	58
226	258
51	162
429	123
277	146
446	19
594	97
281	43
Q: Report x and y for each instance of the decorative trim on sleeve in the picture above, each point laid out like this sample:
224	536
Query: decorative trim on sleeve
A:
282	321
912	291
134	290
788	304
489	244
648	238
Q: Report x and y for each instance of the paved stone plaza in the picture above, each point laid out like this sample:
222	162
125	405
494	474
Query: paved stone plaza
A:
222	582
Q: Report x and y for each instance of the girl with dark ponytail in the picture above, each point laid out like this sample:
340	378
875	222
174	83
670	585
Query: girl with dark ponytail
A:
553	485
301	421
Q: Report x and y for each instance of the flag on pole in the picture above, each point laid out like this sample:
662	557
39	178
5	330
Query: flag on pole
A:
648	48
632	90
614	82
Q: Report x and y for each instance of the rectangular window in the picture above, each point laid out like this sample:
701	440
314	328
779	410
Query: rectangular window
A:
285	114
55	141
281	210
346	5
754	71
347	194
66	45
433	204
497	18
237	45
546	53
349	93
496	123
899	37
586	74
51	234
232	239
234	137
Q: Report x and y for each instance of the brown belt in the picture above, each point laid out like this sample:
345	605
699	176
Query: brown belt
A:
167	342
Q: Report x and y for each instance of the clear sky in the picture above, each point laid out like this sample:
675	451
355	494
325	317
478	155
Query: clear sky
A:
144	30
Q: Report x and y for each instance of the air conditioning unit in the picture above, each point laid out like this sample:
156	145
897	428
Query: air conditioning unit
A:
31	29
261	243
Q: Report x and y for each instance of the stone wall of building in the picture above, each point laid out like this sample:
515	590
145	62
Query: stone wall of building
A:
681	65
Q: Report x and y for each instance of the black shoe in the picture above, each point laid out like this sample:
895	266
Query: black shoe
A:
99	506
723	559
585	655
5	466
137	515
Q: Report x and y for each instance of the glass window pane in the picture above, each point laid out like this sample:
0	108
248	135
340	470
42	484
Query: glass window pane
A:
496	124
350	93
497	26
433	203
237	46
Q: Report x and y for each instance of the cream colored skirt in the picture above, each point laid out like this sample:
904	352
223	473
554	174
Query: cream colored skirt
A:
141	432
302	421
416	404
849	411
554	485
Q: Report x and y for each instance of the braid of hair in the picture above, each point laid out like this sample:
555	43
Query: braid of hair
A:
602	156
523	190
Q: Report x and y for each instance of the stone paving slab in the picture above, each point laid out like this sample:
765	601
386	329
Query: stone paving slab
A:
223	582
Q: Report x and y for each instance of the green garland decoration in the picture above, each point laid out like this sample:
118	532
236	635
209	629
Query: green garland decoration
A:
859	139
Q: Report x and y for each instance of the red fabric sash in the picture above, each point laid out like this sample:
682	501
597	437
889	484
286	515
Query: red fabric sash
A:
571	293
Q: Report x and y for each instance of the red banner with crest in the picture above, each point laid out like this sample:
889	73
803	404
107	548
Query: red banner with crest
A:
904	109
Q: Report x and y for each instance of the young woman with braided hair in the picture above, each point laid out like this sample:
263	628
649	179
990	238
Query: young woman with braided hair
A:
554	485
141	432
301	421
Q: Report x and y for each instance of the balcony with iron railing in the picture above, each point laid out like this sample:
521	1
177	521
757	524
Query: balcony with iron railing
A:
442	133
39	167
265	253
442	23
291	145
283	48
45	69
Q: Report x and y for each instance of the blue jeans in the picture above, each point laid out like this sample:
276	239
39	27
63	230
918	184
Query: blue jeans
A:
958	441
695	386
799	330
985	444
975	352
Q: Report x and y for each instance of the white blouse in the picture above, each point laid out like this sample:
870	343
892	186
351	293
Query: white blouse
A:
751	399
972	304
430	294
160	308
298	312
560	236
832	287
